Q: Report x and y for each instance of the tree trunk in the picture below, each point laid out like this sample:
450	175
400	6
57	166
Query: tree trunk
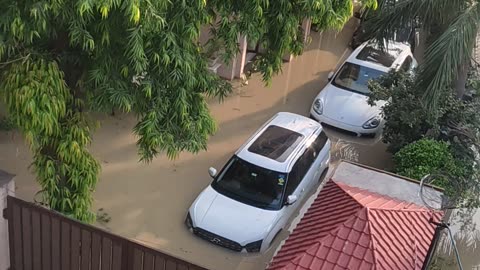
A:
420	44
461	80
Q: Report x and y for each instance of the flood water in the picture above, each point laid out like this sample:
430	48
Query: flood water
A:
148	202
465	227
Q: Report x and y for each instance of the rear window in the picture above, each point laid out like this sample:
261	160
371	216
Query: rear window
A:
276	143
376	55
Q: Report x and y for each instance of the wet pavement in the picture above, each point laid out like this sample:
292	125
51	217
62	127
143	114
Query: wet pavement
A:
148	202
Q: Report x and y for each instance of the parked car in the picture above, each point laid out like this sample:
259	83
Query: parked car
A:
253	197
342	104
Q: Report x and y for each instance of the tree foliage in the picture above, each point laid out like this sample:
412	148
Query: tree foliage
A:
451	26
60	59
42	107
423	157
275	25
407	120
416	135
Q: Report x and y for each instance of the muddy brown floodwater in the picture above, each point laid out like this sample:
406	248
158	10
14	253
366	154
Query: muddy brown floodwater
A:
148	202
465	227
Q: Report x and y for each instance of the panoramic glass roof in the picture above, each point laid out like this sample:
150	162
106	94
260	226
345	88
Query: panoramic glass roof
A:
276	143
379	56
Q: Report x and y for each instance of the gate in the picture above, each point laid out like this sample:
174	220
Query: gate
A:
41	239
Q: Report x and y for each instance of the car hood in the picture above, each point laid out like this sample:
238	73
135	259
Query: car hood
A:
347	106
231	219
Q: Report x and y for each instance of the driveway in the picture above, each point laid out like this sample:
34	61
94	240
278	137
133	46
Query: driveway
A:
148	202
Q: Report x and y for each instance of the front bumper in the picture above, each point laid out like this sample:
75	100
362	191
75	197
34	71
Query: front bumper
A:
217	240
343	127
221	241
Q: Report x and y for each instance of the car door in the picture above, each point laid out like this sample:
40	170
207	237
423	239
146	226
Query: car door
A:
321	153
295	186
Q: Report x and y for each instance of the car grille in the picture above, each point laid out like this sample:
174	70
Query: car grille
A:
217	240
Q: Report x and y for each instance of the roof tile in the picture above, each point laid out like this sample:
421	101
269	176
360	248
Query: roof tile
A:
338	244
333	256
354	263
328	266
348	248
359	252
343	260
359	225
354	236
351	228
364	240
306	261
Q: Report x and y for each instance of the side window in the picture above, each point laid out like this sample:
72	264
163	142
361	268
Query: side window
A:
299	170
407	64
319	143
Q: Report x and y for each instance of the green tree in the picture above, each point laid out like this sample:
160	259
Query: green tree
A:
416	138
451	27
429	156
61	59
407	120
423	157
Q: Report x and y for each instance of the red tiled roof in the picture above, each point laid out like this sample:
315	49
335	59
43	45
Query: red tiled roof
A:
352	228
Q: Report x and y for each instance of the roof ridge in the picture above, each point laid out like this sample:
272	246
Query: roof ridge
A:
343	186
423	209
373	241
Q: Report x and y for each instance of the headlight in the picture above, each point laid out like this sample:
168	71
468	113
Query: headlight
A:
318	106
188	221
254	246
372	122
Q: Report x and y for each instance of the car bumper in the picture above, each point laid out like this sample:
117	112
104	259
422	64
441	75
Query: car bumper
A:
220	240
353	130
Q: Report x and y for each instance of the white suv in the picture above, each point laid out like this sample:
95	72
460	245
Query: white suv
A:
342	103
254	195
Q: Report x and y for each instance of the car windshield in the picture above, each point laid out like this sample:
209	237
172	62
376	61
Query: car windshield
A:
355	78
251	184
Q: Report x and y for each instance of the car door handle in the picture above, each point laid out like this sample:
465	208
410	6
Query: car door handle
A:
303	189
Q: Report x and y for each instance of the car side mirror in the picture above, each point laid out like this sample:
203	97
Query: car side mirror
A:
330	76
212	171
291	199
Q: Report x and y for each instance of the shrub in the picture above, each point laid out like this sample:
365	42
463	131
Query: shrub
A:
424	157
407	120
445	140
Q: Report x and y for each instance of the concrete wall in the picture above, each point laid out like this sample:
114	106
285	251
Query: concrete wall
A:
381	182
234	69
7	187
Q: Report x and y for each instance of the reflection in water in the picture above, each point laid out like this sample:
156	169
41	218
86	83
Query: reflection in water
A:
343	150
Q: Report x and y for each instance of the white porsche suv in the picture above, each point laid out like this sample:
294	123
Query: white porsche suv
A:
342	104
253	197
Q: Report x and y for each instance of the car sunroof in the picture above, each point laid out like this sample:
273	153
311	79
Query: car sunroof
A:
378	56
276	143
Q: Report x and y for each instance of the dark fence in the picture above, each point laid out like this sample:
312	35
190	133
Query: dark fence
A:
44	240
